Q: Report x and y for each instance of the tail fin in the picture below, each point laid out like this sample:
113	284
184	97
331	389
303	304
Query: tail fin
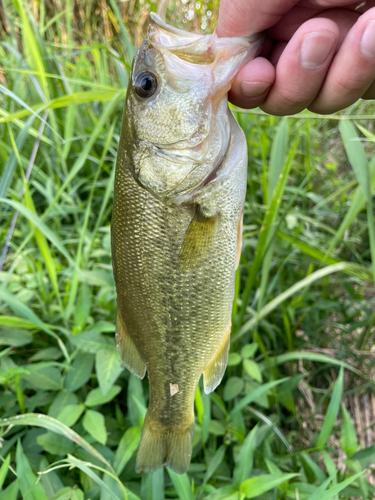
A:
170	447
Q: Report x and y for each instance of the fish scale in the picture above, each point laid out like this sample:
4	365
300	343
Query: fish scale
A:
175	256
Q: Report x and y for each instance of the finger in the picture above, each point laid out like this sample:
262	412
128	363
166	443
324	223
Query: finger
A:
285	29
244	17
302	67
251	86
348	4
353	69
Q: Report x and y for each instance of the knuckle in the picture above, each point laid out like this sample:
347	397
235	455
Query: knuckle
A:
349	84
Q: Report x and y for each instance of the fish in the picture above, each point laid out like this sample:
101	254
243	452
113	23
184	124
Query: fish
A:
179	193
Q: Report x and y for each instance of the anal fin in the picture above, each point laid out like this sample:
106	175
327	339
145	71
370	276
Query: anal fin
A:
129	353
214	371
198	238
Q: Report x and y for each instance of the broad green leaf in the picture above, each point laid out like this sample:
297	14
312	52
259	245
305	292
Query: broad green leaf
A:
256	486
126	448
48	378
263	389
93	423
214	463
224	493
96	398
335	490
312	467
28	485
4	470
69	494
152	485
15	322
79	372
349	442
234	359
232	388
252	369
366	456
47	354
82	308
91	341
53	425
244	462
216	428
55	444
249	350
15	338
332	411
70	414
11	492
64	398
181	485
108	368
199	405
136	401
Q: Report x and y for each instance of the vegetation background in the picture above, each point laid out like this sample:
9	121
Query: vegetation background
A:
294	416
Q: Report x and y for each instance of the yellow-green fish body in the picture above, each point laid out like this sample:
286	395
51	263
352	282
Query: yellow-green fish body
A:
176	229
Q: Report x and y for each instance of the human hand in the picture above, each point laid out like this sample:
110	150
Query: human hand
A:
319	54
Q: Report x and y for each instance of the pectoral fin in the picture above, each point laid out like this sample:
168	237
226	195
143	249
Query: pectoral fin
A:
214	371
198	239
129	353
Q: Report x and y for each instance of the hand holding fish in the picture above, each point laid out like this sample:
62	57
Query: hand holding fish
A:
319	55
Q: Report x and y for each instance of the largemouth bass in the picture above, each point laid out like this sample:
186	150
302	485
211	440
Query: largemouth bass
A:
176	229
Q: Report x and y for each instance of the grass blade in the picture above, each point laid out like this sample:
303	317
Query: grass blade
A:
342	266
182	485
332	411
51	424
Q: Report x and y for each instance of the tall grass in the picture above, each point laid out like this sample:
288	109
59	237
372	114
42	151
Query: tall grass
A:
286	420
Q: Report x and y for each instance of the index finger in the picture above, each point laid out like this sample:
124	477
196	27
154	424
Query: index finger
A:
245	17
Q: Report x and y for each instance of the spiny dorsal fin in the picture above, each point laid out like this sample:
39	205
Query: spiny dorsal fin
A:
198	239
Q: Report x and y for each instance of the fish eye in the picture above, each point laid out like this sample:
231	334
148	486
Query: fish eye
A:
145	84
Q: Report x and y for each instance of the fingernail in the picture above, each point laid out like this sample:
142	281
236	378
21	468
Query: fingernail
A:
315	49
253	89
368	41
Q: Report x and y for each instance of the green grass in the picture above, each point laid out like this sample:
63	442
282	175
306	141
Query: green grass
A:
303	317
